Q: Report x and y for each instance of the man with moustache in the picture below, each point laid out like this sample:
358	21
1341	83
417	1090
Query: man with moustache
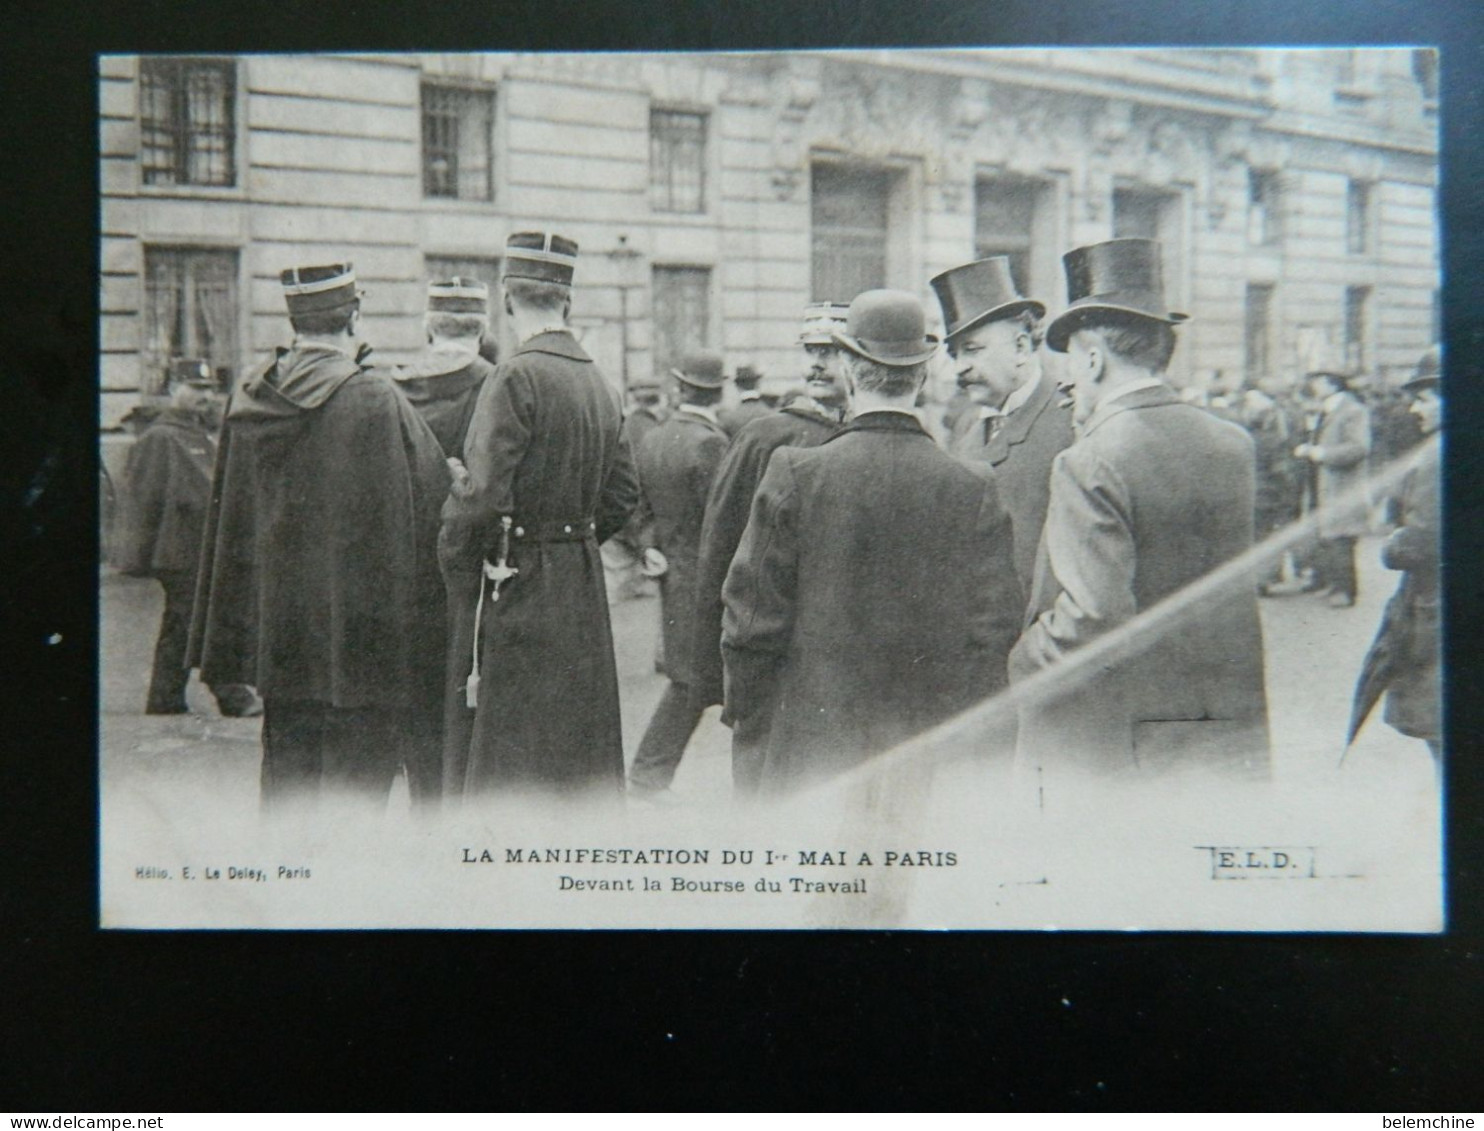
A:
1154	494
1020	424
806	421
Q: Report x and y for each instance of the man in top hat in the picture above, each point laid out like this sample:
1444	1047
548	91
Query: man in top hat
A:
750	404
319	580
1405	659
167	486
1153	494
677	463
873	595
444	383
1020	425
1336	448
549	479
807	420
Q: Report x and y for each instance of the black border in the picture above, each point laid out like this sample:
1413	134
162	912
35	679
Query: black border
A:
153	1021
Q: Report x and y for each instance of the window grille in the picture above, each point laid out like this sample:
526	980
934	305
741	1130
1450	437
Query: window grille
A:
188	121
849	207
190	309
458	142
677	161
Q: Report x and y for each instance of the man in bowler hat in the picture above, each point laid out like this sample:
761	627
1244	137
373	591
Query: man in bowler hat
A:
1153	494
750	404
1020	424
677	463
873	595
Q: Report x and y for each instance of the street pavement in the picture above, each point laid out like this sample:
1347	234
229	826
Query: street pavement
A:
1313	655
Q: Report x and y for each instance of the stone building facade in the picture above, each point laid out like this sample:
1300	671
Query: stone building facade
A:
713	195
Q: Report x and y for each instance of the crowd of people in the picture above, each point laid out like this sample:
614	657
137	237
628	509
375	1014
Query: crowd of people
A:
407	569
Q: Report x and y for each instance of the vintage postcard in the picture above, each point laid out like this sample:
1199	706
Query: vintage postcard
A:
926	489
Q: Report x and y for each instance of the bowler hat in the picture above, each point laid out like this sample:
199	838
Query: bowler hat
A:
746	377
1429	371
543	256
311	290
980	292
887	327
703	368
192	371
1120	277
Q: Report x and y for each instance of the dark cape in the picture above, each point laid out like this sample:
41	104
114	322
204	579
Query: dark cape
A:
443	388
800	425
319	578
165	494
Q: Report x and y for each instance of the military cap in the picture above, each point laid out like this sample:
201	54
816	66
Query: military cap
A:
887	327
701	368
746	377
458	295
192	371
1115	277
543	256
821	320
979	292
309	290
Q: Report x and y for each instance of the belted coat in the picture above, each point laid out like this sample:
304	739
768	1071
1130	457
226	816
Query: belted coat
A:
544	449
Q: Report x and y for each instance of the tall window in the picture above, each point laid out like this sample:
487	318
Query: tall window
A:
1358	218
458	142
1007	211
677	161
190	297
1259	330
188	121
682	313
1357	317
1263	216
849	235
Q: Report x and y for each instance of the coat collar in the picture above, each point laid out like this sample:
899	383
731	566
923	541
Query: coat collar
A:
1155	396
899	422
688	414
1019	422
558	342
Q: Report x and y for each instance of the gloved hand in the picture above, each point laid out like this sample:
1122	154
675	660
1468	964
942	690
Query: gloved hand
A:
654	564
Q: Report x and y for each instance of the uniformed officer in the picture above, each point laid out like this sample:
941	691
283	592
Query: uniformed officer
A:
549	479
443	384
1019	425
677	463
166	490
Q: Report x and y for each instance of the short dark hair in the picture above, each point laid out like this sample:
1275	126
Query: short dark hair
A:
888	380
1138	341
443	324
694	394
548	298
336	320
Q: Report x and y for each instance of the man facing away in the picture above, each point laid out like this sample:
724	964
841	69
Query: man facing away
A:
1020	425
873	595
167	488
444	383
1153	494
548	479
677	463
808	420
319	582
750	404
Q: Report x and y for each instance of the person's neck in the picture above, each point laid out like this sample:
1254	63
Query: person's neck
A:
456	345
879	402
341	343
528	323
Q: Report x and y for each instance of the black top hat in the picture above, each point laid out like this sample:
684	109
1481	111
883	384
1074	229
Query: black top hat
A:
192	371
887	327
746	377
543	256
309	290
703	369
1117	277
458	295
1429	371
980	292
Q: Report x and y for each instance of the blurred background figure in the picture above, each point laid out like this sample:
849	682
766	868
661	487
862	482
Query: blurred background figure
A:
167	485
623	554
1280	474
750	404
1336	446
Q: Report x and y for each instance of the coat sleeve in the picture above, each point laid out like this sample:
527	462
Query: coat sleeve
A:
759	598
146	488
997	622
620	495
1090	546
499	433
1352	443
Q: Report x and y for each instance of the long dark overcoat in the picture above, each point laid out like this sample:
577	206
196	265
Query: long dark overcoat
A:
733	418
873	596
1344	439
1153	495
1021	452
319	578
544	448
677	464
167	488
800	425
443	388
